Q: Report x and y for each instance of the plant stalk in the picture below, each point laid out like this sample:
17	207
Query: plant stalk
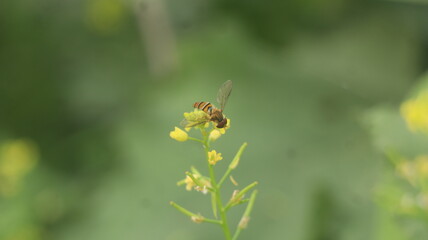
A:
216	188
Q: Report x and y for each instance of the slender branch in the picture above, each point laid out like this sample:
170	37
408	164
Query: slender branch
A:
182	209
229	170
233	164
181	182
238	196
195	139
194	215
208	220
246	217
223	215
214	204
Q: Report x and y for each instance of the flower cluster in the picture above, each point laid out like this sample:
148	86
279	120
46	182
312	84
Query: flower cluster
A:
199	120
404	191
411	198
415	172
194	180
195	118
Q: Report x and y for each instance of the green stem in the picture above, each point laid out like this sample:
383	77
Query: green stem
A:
216	188
224	176
190	214
212	221
238	196
195	139
182	209
246	217
233	164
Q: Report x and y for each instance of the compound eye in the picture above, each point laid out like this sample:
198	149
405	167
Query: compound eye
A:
222	123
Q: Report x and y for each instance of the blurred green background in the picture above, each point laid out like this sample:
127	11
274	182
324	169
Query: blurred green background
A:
90	89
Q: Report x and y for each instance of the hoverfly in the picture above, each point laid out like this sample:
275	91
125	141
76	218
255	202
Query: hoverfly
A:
214	114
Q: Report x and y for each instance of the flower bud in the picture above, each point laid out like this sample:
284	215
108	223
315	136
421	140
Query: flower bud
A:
214	135
178	135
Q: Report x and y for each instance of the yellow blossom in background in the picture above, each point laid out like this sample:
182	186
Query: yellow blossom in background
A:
105	16
422	166
17	159
415	112
214	135
179	135
214	157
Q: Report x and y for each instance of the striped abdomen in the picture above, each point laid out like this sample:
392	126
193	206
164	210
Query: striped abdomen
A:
204	106
215	114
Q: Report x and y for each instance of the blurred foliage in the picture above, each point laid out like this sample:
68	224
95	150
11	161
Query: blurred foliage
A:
275	22
403	190
84	121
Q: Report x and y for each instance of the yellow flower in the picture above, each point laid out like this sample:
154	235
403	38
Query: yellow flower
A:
178	135
214	157
189	183
415	112
214	135
195	119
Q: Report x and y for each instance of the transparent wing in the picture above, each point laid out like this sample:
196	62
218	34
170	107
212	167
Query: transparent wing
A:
224	93
186	123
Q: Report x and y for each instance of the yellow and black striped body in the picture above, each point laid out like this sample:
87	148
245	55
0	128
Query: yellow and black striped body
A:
204	106
215	114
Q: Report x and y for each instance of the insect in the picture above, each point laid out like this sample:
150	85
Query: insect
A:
215	114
